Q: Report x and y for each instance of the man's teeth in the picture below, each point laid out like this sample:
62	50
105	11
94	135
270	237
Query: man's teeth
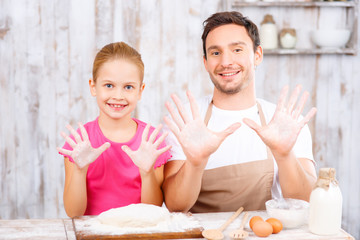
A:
228	74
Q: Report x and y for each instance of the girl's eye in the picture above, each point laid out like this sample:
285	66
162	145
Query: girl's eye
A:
128	87
108	85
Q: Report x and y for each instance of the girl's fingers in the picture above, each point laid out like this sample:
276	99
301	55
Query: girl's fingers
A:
293	99
180	108
74	133
281	102
64	151
84	133
194	107
144	136
103	147
127	150
162	150
160	139
68	139
175	116
155	133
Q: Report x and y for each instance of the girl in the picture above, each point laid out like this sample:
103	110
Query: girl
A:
114	160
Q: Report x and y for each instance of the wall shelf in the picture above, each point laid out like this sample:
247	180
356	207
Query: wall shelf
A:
351	10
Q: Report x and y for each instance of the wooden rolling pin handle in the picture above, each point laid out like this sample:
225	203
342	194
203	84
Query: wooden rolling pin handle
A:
235	215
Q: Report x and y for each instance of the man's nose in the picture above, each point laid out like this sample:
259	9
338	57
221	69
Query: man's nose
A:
227	59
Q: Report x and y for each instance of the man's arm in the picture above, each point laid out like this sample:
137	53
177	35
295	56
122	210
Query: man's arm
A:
182	185
296	175
182	179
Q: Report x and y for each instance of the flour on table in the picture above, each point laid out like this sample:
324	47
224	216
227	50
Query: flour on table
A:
135	215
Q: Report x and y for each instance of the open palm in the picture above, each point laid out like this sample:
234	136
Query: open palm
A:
281	133
147	153
197	141
83	153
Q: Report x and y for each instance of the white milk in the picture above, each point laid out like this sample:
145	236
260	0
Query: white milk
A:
325	204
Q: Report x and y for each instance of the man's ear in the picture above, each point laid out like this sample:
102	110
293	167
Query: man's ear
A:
92	87
205	63
258	56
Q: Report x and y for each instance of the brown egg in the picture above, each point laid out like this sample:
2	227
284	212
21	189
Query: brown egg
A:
276	224
253	220
262	228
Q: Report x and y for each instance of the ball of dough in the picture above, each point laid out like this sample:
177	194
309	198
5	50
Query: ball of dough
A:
135	215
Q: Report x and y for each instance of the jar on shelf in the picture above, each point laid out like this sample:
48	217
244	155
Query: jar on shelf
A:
288	38
325	210
268	33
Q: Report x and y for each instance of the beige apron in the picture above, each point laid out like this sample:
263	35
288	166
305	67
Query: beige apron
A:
227	188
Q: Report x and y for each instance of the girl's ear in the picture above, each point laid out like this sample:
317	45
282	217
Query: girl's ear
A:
92	87
141	90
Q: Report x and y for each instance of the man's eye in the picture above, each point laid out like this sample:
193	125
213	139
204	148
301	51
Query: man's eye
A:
215	53
238	50
129	87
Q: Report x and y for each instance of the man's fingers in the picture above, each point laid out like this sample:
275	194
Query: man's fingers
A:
308	116
193	105
172	126
293	99
175	116
180	108
252	124
230	130
282	98
301	105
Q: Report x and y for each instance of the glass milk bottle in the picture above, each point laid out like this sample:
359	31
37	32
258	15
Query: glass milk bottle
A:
325	204
268	33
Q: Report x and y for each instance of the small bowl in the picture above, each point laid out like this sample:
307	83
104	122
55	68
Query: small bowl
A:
330	38
292	213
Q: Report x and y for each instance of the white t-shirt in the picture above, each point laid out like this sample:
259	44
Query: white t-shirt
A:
244	145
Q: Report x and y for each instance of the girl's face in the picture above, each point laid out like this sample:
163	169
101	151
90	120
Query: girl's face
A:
117	89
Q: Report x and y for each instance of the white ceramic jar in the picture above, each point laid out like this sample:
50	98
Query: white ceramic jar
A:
288	38
268	33
325	204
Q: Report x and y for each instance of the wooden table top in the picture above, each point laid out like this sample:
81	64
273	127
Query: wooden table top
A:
63	229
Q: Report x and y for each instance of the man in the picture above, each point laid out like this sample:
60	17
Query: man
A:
269	156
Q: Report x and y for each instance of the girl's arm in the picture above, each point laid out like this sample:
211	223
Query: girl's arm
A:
144	158
82	153
75	198
151	182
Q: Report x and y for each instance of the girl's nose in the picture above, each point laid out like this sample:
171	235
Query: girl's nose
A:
118	94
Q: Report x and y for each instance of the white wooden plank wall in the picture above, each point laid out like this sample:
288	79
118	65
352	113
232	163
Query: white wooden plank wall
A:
46	54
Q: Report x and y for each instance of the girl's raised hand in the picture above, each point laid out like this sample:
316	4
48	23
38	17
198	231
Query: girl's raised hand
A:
83	153
147	153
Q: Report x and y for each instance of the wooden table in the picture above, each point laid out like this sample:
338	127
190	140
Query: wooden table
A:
63	229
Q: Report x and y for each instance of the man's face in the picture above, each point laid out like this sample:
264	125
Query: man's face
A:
231	59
